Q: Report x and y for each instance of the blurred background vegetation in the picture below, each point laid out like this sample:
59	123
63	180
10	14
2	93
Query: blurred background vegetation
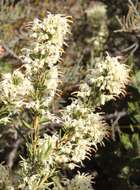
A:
98	27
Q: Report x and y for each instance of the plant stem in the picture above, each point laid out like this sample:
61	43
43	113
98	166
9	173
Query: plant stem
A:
35	134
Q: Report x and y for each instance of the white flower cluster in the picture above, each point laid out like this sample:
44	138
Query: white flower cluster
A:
15	89
48	36
109	77
86	130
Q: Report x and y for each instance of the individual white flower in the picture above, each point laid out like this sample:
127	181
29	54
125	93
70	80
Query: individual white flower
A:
32	181
84	91
52	81
5	120
80	182
80	151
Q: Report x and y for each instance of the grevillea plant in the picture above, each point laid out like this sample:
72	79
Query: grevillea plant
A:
55	143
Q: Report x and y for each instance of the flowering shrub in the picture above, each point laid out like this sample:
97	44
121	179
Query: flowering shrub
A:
26	97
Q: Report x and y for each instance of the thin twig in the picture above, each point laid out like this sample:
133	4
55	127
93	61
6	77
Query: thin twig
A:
114	118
